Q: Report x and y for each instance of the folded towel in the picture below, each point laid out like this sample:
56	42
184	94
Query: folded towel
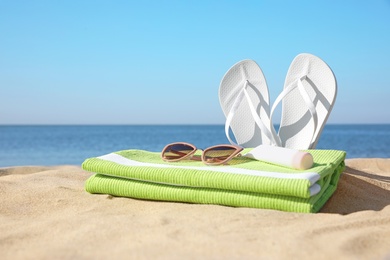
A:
244	182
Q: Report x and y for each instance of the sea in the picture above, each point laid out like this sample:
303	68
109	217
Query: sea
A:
22	145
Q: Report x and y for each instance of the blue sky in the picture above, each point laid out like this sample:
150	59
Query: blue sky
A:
161	62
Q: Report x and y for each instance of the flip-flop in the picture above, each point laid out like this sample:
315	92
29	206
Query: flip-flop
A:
308	97
243	95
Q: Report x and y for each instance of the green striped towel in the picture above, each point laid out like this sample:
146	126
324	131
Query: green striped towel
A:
244	182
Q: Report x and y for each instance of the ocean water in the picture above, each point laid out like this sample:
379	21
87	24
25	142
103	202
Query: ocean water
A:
59	145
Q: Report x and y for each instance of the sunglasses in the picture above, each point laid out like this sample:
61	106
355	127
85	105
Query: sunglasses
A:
214	155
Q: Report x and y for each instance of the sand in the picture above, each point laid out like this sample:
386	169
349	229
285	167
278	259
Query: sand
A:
46	214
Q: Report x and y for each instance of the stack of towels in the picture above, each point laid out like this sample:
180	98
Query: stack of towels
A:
245	182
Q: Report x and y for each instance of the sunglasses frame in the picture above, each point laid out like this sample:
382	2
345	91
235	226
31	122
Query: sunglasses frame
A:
237	150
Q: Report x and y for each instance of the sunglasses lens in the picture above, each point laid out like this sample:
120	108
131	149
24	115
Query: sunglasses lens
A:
175	152
218	154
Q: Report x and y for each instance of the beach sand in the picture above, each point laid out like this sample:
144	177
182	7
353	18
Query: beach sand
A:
45	213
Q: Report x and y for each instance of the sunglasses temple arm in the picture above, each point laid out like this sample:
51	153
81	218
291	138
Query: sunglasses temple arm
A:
194	157
227	159
178	153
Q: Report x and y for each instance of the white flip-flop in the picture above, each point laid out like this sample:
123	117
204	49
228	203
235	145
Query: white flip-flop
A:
308	97
244	98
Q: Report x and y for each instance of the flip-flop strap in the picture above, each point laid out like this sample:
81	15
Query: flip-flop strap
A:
244	93
309	103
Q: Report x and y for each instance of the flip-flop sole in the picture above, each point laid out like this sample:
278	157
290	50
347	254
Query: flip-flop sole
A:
296	127
243	126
